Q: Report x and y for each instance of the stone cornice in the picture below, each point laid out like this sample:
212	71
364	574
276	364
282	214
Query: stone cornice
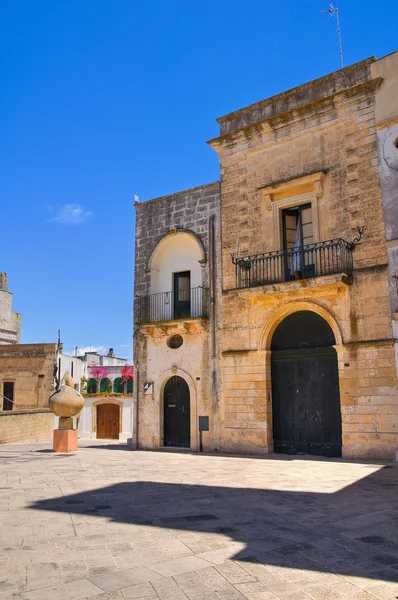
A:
228	139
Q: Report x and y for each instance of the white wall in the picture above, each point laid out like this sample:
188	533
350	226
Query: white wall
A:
175	253
66	366
86	418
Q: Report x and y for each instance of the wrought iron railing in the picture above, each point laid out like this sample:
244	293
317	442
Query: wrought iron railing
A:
168	306
314	260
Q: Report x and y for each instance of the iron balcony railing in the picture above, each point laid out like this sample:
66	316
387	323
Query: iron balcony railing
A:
314	260
168	306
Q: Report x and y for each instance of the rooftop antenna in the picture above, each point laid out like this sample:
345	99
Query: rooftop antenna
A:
334	12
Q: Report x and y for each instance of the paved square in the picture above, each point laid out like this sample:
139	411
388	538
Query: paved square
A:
108	523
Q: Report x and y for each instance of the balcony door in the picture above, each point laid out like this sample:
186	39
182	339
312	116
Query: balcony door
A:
182	295
297	234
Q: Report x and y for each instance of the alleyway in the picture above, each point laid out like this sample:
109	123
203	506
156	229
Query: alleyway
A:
111	524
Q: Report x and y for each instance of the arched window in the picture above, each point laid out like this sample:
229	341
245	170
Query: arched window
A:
92	386
130	386
105	385
118	386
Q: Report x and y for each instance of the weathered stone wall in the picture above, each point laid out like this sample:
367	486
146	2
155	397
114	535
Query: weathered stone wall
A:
26	426
326	127
30	367
190	210
10	322
386	112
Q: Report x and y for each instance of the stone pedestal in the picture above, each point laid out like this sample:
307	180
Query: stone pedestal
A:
65	440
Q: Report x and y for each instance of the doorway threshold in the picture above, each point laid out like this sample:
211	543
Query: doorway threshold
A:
174	449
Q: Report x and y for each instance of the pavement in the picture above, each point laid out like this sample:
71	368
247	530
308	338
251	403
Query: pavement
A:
108	523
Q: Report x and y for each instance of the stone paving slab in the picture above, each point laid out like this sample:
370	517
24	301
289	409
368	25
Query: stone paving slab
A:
107	523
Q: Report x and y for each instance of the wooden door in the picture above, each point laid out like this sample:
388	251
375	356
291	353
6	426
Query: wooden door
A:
306	402
177	417
182	295
108	421
305	387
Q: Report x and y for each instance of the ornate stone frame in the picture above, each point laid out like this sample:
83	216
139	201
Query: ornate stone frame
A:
305	190
159	397
106	401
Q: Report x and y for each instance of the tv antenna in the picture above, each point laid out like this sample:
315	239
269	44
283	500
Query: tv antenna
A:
334	12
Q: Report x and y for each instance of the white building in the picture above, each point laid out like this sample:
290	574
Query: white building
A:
108	396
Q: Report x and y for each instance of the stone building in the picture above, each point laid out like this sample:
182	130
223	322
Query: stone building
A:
292	346
26	375
10	322
176	274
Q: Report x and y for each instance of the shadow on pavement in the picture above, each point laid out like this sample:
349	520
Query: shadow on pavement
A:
351	532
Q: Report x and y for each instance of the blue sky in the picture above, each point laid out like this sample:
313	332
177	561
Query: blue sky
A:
101	100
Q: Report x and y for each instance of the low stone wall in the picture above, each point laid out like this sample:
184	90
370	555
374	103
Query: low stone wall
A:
31	425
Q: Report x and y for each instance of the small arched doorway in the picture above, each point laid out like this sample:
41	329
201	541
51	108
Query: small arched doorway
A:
108	421
177	417
305	387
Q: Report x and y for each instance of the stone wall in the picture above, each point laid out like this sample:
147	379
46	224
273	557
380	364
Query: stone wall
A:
26	426
30	367
188	210
10	322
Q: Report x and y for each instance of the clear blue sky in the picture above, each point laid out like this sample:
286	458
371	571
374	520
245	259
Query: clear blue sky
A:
100	100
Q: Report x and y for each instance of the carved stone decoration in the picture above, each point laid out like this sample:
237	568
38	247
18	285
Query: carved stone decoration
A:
268	201
158	330
318	186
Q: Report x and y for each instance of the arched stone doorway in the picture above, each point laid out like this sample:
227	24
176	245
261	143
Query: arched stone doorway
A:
177	417
108	421
305	386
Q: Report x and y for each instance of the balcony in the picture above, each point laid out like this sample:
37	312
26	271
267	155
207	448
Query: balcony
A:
171	306
315	260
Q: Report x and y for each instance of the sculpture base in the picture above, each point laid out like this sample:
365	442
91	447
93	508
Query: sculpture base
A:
65	440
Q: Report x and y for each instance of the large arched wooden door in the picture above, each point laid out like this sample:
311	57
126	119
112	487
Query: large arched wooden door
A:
108	421
305	387
177	416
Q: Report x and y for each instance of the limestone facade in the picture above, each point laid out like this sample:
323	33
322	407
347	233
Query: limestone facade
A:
314	150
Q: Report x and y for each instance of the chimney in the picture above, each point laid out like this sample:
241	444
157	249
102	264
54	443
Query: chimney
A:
111	353
4	282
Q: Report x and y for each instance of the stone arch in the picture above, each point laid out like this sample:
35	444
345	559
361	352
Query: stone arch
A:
159	399
105	383
173	232
281	312
118	385
92	386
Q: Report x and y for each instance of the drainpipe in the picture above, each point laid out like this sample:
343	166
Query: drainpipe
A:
136	409
212	284
212	287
